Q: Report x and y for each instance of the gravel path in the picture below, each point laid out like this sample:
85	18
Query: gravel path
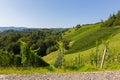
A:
111	75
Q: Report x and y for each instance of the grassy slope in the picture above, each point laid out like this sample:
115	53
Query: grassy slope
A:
85	38
84	41
51	57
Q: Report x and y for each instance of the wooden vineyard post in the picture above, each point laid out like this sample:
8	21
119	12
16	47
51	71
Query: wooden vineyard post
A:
104	54
103	58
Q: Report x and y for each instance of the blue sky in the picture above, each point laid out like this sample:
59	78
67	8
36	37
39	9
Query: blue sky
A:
55	13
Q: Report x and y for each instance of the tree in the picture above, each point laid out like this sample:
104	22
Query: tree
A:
78	26
110	21
25	54
117	21
59	60
113	20
29	57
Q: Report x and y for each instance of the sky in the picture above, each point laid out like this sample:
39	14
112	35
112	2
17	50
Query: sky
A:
55	13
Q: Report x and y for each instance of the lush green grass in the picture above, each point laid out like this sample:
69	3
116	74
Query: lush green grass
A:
87	39
83	44
52	70
51	57
114	46
75	34
21	70
28	70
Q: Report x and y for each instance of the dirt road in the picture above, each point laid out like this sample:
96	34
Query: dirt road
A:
109	75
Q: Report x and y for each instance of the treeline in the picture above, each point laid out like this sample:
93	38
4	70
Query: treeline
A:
44	39
26	58
114	20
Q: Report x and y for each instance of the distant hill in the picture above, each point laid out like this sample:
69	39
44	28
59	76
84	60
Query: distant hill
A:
25	28
12	28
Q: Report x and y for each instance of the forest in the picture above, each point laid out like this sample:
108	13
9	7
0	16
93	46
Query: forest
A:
15	46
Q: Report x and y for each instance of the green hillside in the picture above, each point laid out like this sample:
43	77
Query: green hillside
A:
85	37
83	47
85	42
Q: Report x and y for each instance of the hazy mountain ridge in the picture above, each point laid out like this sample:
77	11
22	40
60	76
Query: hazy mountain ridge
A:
25	28
12	28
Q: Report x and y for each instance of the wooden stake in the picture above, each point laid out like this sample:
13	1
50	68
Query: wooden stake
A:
103	58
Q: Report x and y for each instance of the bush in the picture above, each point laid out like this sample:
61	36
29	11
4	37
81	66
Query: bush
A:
6	58
17	60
